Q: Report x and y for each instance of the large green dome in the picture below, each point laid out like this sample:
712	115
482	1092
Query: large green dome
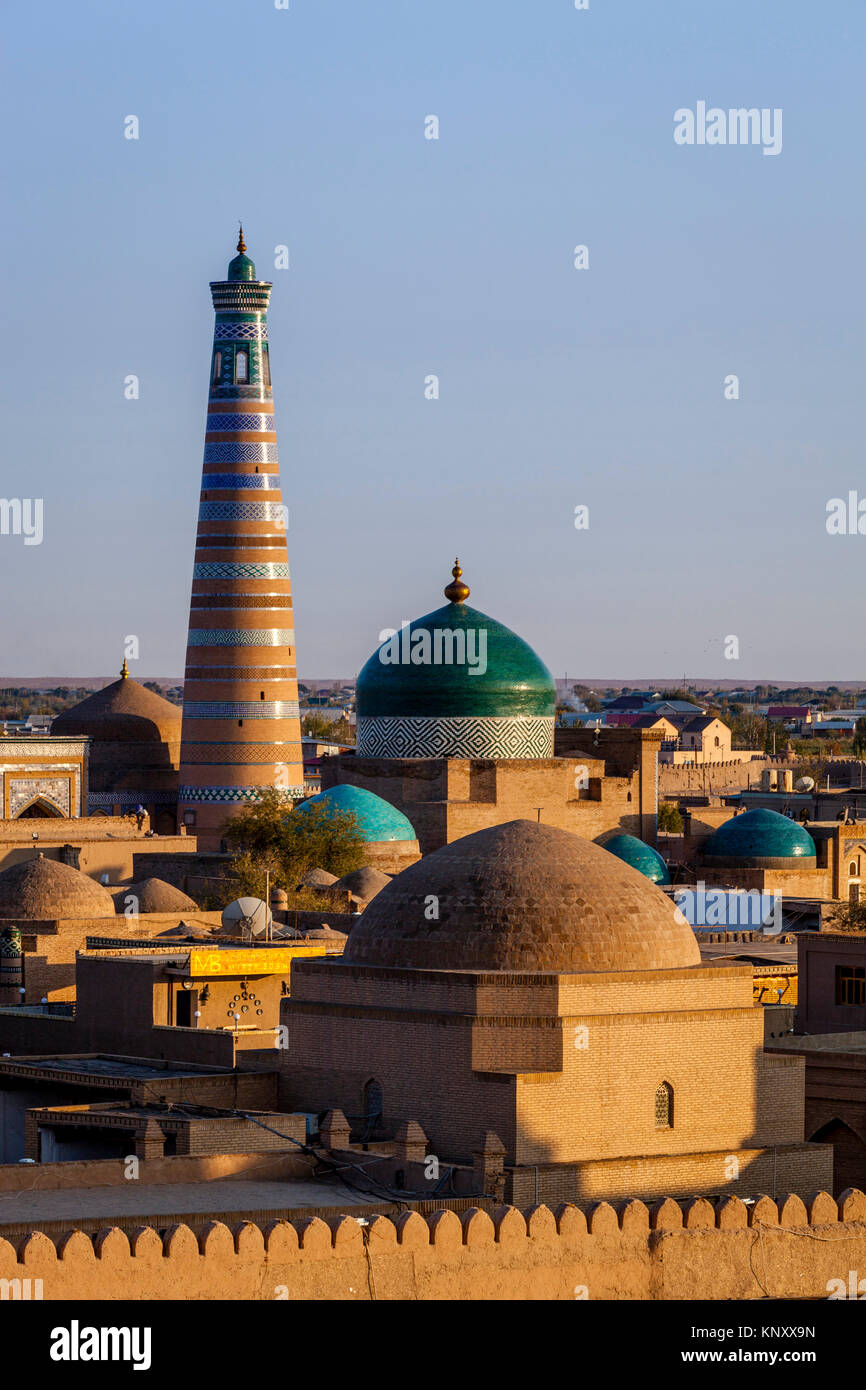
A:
455	683
641	856
761	839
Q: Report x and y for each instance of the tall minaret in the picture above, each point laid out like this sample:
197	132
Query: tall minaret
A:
241	730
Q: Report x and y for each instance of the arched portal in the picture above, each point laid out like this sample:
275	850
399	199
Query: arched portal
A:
40	808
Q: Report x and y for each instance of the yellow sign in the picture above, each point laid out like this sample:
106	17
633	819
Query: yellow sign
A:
262	960
778	988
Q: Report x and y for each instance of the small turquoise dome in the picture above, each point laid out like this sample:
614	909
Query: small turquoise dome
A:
641	856
377	819
763	839
241	268
455	683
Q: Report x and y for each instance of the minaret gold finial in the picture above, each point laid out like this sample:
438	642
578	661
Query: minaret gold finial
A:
124	670
457	591
242	246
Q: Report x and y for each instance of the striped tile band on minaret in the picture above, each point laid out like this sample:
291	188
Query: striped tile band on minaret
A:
241	728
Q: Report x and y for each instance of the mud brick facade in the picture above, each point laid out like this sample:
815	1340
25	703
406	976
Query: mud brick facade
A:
587	788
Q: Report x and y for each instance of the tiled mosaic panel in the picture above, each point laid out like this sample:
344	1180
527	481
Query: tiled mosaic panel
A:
243	754
241	569
23	790
240	332
417	737
240	480
240	453
97	800
240	511
241	637
252	420
234	794
240	709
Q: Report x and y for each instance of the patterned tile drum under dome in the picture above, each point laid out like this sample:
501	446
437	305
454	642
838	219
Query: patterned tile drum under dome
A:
241	728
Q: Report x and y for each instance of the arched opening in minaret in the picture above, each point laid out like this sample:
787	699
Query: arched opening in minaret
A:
242	363
217	365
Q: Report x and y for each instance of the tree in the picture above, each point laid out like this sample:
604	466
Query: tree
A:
747	731
775	737
593	704
860	737
268	835
848	917
669	818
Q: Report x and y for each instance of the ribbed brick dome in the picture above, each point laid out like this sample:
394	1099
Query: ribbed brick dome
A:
522	897
124	711
44	889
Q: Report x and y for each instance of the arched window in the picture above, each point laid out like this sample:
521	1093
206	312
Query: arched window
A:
372	1102
241	365
852	868
266	366
217	365
664	1106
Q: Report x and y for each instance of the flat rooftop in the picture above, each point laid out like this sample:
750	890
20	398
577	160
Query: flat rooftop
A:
767	951
162	1205
110	1066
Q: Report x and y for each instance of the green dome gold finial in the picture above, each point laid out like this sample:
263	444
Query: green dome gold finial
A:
241	268
457	591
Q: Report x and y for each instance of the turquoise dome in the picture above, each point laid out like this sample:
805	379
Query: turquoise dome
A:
241	268
764	839
377	819
641	856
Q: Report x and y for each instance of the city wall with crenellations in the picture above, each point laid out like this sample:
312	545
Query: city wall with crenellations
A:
694	1249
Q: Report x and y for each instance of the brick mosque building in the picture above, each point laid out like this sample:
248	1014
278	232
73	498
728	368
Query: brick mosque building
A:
523	983
241	728
456	730
134	750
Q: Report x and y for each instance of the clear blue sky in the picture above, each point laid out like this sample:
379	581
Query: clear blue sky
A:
409	256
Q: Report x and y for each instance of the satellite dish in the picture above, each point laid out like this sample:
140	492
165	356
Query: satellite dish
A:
247	915
804	784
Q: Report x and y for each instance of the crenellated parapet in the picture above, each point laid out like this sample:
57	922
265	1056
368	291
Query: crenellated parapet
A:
722	1249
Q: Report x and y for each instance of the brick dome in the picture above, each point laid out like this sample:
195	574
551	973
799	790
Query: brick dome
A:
522	897
154	895
44	889
123	712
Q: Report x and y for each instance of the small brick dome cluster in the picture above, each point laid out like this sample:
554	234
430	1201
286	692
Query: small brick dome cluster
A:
44	889
526	898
